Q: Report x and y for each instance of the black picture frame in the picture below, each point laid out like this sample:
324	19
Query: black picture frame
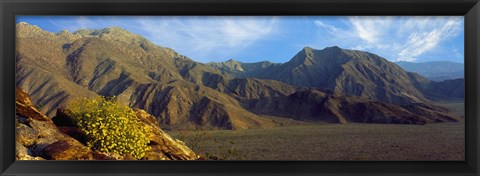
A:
470	9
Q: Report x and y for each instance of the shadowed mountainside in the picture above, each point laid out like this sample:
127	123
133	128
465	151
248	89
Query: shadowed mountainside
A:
446	90
313	105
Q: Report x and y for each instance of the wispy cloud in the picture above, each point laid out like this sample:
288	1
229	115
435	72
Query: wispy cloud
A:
423	39
370	29
218	38
457	53
196	37
208	34
73	23
407	37
329	28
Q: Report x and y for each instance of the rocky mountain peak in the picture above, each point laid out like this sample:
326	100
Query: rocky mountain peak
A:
114	30
332	48
232	61
64	32
111	33
307	49
23	25
68	36
28	30
309	55
84	32
230	64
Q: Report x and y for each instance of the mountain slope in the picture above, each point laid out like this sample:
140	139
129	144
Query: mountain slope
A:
447	90
436	70
182	94
184	105
242	70
57	68
346	72
313	105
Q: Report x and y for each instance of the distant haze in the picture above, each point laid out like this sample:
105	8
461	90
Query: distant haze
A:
277	39
436	70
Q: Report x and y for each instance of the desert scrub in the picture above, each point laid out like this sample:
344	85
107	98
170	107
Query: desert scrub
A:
110	127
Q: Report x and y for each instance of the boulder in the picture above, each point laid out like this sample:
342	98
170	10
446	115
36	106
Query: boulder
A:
102	156
36	132
25	108
24	153
26	135
164	146
75	133
62	119
67	150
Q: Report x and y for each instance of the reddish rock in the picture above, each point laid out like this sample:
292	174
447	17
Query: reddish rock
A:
165	146
102	156
67	150
75	133
25	107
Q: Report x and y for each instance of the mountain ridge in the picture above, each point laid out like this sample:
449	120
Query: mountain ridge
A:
437	71
184	94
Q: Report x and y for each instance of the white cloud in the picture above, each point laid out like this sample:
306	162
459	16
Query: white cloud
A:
458	54
208	34
73	24
403	38
370	29
192	36
329	28
396	38
421	41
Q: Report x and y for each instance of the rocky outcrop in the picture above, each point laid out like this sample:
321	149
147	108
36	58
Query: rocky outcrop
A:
36	132
164	146
39	138
67	150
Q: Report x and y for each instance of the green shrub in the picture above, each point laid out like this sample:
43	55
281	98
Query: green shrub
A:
110	127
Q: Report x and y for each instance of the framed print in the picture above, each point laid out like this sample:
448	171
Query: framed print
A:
239	87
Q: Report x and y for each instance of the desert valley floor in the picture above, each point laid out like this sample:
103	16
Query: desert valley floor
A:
354	141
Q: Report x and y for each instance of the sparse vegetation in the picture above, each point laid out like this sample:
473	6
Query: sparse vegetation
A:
457	107
110	127
339	142
194	138
223	150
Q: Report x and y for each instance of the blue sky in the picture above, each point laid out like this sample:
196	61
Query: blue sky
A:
278	39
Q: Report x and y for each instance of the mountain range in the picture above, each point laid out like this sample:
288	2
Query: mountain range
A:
350	72
331	85
435	70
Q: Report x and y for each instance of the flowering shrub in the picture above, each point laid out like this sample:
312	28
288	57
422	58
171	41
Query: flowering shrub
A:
110	127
